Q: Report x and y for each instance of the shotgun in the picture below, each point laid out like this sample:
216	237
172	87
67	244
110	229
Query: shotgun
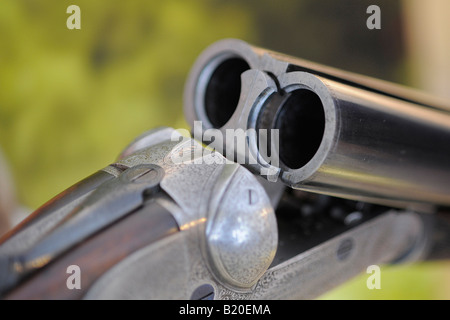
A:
294	178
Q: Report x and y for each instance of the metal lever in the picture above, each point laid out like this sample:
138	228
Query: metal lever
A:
110	202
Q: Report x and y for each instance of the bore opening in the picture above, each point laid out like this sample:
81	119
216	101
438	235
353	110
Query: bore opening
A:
301	125
223	91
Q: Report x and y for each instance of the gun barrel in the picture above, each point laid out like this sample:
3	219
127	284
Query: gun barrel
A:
340	133
345	141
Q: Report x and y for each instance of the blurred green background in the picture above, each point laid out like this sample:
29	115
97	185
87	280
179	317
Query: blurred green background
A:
70	100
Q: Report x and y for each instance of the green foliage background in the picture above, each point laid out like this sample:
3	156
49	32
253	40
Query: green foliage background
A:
70	100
